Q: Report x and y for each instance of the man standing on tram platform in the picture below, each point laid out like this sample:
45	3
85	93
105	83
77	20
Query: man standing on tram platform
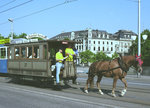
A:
70	53
59	64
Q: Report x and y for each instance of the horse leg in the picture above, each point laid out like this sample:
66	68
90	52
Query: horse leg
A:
86	87
98	84
125	84
114	86
87	82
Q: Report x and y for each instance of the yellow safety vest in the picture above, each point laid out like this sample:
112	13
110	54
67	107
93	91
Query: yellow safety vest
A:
59	56
70	51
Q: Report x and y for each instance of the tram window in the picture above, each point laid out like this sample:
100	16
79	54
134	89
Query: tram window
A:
36	52
2	53
29	52
9	53
45	52
23	52
17	52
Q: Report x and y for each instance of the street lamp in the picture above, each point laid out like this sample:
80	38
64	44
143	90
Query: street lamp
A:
133	39
145	37
11	20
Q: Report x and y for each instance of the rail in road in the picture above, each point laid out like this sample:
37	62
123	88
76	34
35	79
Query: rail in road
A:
133	95
139	96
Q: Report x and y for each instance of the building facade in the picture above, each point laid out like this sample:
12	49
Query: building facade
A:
99	40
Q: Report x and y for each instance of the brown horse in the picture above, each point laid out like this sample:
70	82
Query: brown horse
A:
117	69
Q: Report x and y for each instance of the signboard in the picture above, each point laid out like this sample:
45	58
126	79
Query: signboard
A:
64	42
21	40
4	41
36	35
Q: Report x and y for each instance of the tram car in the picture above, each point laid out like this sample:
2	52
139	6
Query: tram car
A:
35	60
3	59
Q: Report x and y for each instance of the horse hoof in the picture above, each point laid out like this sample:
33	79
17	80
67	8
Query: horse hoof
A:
113	95
86	91
123	92
101	92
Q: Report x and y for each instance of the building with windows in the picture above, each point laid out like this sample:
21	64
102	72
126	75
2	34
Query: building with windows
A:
99	40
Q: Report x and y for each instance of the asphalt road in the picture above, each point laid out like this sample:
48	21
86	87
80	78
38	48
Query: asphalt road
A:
29	94
21	96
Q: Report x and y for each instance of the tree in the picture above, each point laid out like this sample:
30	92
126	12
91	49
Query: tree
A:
14	36
1	37
66	38
115	55
145	48
100	56
22	35
86	56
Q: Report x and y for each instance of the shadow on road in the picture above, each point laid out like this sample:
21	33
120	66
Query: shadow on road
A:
41	84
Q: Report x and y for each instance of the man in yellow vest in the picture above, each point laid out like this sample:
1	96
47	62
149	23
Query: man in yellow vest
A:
59	64
70	53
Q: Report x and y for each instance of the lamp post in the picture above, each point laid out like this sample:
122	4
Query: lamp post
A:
139	37
11	20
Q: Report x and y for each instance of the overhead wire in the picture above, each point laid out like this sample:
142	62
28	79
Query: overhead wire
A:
67	1
132	0
7	3
15	6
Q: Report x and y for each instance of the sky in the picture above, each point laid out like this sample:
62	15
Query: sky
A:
52	17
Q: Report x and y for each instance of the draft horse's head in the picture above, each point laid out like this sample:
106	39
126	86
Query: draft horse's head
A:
138	64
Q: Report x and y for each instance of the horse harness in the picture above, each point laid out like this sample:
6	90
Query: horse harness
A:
122	65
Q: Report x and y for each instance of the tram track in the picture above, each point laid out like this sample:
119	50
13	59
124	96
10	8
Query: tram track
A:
78	90
107	90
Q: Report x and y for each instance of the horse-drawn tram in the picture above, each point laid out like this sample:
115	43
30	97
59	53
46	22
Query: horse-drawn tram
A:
36	59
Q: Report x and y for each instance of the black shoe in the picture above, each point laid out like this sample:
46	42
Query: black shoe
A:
58	86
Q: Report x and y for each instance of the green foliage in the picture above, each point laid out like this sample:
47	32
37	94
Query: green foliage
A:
22	35
86	56
66	38
1	37
100	56
115	55
14	36
146	32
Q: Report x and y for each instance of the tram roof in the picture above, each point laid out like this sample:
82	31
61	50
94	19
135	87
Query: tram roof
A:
45	41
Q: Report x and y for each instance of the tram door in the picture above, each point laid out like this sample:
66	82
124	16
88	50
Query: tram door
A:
3	59
69	71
